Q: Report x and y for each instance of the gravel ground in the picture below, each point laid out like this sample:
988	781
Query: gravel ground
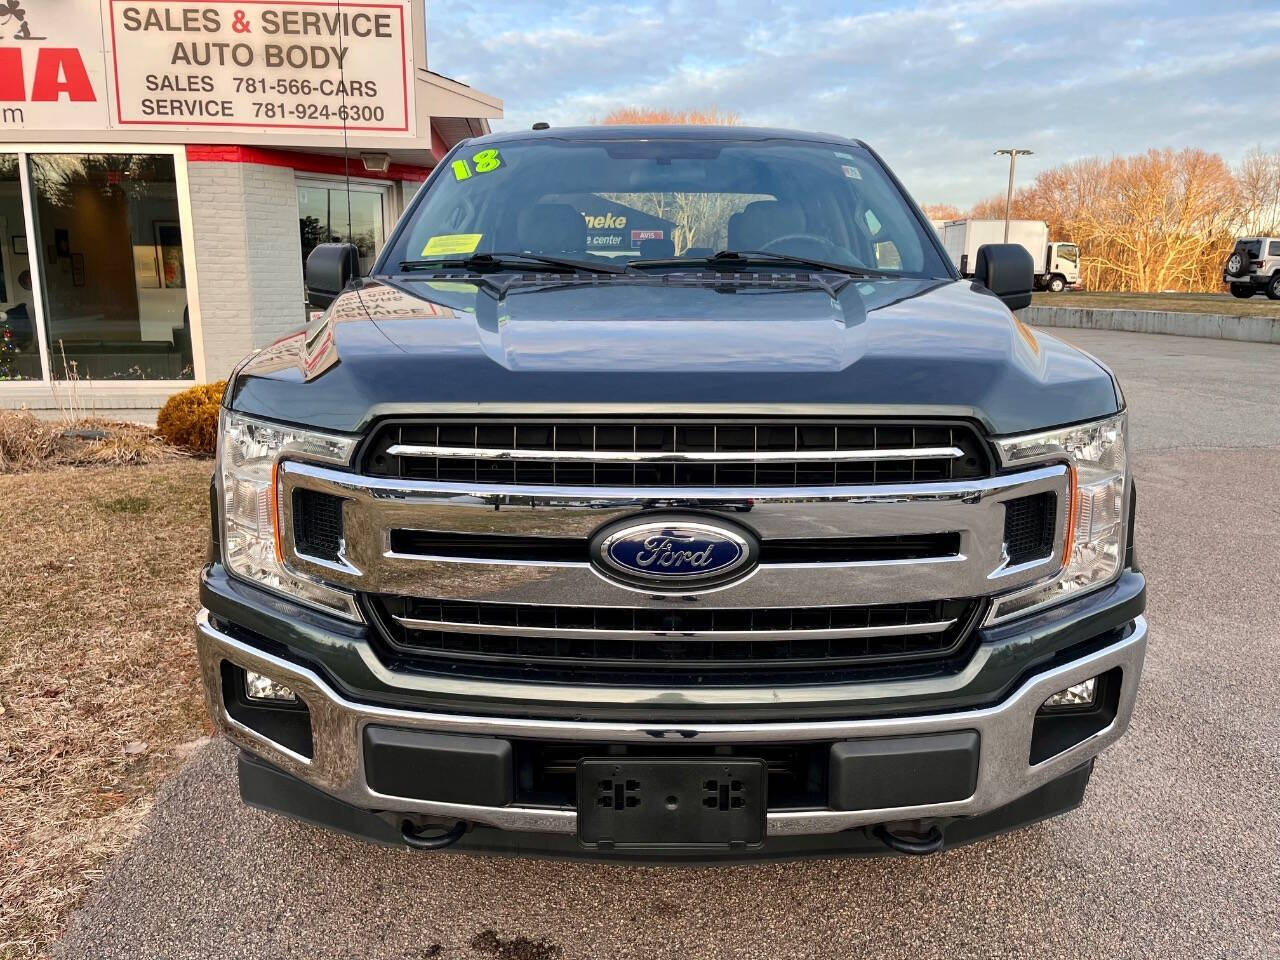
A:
1175	852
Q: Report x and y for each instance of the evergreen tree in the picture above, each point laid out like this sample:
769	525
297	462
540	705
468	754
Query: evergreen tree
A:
8	350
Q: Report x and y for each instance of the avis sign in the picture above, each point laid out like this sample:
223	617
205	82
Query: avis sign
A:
52	75
267	66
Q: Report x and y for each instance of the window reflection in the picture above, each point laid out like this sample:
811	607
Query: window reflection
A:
322	218
19	346
115	293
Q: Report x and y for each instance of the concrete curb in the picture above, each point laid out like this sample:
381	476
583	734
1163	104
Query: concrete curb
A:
1211	325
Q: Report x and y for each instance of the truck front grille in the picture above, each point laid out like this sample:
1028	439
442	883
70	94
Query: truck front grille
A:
685	453
474	546
600	644
317	524
1029	527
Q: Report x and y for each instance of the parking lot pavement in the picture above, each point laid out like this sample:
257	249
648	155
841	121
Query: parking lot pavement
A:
1184	392
1175	852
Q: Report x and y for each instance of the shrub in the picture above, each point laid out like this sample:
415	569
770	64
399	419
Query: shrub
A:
26	441
29	443
190	419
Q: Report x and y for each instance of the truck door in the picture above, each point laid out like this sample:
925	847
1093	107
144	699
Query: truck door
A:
1065	259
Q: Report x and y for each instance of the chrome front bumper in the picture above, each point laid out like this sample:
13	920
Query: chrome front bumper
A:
337	766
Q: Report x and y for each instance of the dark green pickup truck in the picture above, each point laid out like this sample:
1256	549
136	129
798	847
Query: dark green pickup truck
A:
663	493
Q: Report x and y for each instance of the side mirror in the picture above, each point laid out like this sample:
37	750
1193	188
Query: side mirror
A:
1007	270
330	267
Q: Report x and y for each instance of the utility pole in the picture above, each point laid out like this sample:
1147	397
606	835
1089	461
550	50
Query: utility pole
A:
1012	153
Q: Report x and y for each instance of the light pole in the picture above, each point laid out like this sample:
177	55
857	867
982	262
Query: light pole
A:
1013	153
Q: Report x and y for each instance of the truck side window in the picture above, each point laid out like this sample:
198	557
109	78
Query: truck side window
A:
1273	248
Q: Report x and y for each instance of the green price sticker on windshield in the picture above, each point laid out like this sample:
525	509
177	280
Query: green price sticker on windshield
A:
485	161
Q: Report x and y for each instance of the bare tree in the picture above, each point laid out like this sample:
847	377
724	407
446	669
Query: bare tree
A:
1160	220
941	211
1259	184
712	117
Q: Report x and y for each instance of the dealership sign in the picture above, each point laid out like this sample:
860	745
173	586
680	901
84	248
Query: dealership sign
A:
270	66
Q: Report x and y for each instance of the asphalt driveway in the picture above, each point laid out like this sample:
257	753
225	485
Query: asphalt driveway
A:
1175	852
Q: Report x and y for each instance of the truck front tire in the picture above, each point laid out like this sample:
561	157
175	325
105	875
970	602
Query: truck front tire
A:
1057	284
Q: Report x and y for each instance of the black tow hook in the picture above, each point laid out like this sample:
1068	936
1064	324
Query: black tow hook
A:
931	842
409	833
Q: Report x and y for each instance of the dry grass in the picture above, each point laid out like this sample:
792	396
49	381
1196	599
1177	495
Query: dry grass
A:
29	443
1224	303
99	689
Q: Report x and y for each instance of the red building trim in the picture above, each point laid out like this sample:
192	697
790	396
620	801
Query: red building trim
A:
302	162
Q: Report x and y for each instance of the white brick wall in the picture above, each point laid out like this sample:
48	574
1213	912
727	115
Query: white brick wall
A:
114	400
248	258
222	263
275	251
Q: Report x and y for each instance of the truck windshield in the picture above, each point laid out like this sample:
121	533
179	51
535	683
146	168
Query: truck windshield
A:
616	201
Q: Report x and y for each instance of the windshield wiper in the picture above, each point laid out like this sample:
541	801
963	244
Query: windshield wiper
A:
482	262
748	257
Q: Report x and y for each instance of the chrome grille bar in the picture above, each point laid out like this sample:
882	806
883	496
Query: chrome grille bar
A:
676	452
670	456
373	507
507	630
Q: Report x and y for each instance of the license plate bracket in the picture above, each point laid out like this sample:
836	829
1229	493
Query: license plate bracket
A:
671	804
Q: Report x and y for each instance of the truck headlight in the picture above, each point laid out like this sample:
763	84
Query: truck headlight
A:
1093	542
249	456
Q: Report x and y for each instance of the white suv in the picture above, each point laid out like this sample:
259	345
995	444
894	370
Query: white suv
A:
1254	265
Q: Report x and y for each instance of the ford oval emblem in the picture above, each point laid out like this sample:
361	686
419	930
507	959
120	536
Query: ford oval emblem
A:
673	554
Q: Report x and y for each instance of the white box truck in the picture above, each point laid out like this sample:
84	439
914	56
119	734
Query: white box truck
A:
1057	265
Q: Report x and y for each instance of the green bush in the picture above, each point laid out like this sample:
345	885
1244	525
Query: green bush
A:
190	419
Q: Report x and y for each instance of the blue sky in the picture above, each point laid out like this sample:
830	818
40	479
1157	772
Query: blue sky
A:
935	87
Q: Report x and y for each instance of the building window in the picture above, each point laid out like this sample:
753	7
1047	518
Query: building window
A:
19	342
113	277
322	217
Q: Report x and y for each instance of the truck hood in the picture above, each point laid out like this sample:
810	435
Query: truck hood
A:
754	345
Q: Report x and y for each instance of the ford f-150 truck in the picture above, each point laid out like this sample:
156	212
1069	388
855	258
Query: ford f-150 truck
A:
757	534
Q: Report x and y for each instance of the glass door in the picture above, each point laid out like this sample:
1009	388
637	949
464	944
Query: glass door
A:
19	336
326	214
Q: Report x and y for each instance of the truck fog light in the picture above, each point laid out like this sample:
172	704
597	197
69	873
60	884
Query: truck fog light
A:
1077	695
259	687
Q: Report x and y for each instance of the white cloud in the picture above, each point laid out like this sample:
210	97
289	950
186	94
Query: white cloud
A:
935	87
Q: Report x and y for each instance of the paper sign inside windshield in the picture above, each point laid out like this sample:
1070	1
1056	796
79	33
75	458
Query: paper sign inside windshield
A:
452	243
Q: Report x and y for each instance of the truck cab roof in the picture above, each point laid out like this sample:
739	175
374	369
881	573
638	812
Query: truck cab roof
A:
673	131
